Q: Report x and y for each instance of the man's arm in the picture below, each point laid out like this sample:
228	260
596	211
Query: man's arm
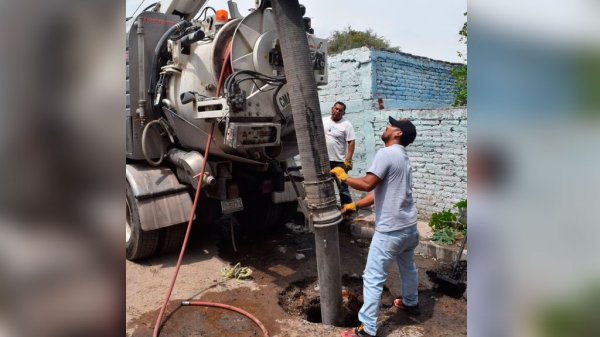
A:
367	201
350	150
366	183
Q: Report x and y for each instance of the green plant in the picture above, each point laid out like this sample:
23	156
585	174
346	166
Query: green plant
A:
461	204
460	73
441	220
460	93
350	38
445	236
450	224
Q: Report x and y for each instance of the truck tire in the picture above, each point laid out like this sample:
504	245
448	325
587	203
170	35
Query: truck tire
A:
139	244
171	238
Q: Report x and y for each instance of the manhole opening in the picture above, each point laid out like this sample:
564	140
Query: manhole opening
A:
302	299
313	313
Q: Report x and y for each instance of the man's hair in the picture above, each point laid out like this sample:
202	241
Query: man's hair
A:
342	104
409	131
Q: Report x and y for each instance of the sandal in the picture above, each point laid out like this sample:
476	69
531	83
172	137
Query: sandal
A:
411	310
357	332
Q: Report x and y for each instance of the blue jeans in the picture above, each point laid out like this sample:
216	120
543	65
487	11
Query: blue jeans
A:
345	197
386	247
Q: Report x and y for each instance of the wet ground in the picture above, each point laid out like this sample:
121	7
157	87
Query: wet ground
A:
281	292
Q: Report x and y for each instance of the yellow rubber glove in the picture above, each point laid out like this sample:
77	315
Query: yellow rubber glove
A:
348	165
339	174
351	207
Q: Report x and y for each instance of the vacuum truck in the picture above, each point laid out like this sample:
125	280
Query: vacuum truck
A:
195	73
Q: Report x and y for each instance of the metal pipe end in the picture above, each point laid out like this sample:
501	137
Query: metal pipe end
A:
210	180
185	303
328	219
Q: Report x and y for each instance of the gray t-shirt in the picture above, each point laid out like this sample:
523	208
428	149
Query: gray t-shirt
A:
337	135
394	205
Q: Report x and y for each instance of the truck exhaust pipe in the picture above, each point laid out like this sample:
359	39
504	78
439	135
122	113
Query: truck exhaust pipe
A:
320	192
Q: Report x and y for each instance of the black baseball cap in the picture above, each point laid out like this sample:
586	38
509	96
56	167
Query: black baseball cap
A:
409	131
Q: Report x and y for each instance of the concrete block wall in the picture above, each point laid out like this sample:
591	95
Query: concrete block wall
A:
350	81
438	155
405	81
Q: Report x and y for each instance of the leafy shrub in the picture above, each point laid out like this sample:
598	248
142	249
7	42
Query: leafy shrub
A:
350	39
460	73
460	92
445	236
450	224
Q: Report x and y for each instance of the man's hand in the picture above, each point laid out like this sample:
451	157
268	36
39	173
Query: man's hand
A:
339	174
348	164
351	207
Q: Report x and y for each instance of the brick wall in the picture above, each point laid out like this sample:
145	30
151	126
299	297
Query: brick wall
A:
406	81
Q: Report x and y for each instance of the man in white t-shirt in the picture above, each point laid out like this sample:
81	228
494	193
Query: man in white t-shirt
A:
389	183
340	137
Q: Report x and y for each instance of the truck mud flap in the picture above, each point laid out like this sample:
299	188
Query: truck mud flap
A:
162	200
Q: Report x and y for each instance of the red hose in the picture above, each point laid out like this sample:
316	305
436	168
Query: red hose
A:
189	227
229	307
187	234
226	68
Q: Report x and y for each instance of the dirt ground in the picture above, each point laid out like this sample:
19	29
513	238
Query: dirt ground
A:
276	292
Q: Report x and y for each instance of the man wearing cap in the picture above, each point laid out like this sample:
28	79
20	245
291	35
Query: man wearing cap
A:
389	184
339	135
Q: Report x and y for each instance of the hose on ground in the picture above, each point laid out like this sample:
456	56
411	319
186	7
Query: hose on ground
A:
187	235
229	307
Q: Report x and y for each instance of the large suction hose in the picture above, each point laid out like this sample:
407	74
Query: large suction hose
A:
155	70
158	50
320	192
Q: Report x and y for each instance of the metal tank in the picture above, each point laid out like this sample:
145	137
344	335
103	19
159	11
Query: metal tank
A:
190	67
253	111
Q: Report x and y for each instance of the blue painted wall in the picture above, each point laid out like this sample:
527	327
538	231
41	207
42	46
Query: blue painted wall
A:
406	81
360	76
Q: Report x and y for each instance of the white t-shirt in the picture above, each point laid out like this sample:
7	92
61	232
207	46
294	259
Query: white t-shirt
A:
337	135
394	205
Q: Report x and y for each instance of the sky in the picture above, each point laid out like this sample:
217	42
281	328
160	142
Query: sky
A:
421	27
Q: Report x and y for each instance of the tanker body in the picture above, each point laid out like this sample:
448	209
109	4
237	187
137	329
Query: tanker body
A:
191	70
